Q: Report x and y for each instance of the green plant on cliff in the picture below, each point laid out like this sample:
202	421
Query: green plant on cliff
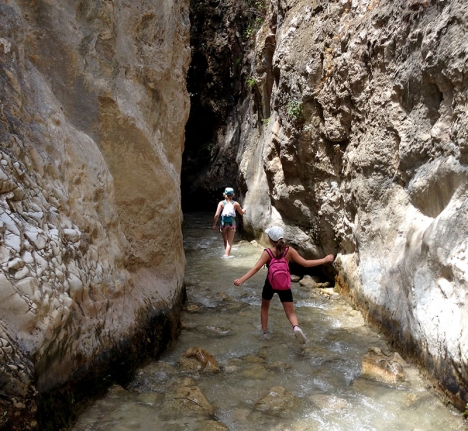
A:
250	81
257	4
256	15
465	413
294	109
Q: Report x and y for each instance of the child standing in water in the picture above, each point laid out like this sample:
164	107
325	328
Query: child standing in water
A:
278	249
227	209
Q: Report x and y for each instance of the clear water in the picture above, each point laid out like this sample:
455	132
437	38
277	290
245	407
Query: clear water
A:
323	375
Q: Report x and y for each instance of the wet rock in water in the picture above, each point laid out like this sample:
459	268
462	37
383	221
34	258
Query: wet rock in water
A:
198	359
255	371
216	330
254	359
308	281
279	366
150	398
278	402
222	296
193	308
329	402
186	399
329	291
379	366
188	325
368	388
212	426
115	390
417	400
240	415
151	377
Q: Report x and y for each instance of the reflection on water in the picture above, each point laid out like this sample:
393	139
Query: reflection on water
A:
322	377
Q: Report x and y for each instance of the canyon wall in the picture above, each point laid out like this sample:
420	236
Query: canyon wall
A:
352	134
93	110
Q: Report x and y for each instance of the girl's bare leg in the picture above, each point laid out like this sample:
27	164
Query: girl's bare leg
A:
264	314
290	313
224	232
228	244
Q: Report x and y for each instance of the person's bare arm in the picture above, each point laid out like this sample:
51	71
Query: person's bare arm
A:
216	216
239	209
294	255
263	259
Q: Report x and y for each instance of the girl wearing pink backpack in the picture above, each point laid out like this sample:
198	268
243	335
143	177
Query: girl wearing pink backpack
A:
278	280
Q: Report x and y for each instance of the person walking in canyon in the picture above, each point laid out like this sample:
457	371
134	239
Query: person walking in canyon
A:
278	280
227	209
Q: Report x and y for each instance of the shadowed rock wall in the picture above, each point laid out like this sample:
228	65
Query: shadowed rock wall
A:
93	109
354	137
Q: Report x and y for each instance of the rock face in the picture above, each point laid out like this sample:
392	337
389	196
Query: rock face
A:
92	129
354	137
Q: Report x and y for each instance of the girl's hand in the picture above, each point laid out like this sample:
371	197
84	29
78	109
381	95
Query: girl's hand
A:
329	258
237	282
214	228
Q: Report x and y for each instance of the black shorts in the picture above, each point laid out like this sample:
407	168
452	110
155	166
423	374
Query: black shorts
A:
268	292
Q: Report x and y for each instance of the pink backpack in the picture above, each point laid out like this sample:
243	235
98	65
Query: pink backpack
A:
278	271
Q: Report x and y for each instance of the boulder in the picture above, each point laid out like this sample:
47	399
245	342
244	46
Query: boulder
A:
279	402
379	366
187	400
308	281
198	359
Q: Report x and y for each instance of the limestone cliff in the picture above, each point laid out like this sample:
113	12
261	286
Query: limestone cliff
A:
93	109
354	137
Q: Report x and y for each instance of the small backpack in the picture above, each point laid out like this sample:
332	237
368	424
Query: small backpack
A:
228	212
278	271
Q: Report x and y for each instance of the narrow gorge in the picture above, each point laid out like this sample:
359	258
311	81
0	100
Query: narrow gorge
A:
344	121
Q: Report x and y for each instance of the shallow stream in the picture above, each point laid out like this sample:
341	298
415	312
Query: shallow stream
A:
274	384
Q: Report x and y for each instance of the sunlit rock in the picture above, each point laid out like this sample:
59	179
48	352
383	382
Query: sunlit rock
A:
387	368
187	400
255	371
91	141
278	402
198	359
371	167
308	281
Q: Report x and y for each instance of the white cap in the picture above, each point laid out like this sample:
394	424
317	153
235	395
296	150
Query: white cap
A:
228	191
275	233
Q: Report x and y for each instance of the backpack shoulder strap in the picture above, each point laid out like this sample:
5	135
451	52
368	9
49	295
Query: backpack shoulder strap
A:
285	251
270	253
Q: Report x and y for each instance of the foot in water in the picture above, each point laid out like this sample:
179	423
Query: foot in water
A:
299	335
227	257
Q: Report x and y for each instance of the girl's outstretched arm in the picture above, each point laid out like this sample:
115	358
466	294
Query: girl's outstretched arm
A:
263	259
239	209
308	263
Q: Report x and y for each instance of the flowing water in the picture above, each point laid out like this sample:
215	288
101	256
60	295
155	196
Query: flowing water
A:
268	384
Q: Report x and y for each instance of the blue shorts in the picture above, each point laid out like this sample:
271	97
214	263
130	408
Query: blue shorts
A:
268	292
228	225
